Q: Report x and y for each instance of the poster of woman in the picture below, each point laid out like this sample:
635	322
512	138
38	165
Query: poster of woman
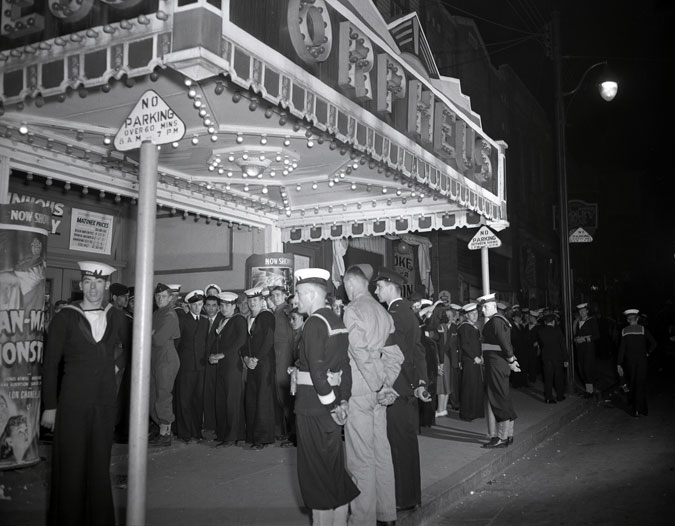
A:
23	247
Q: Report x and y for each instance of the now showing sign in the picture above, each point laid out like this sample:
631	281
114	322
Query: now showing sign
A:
484	238
151	120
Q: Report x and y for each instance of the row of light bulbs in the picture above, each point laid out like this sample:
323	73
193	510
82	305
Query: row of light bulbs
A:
86	190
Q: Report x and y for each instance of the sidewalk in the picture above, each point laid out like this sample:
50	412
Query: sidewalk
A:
198	485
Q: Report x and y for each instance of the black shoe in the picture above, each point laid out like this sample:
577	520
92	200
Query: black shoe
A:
386	523
491	443
161	441
258	447
406	508
225	443
287	443
498	444
509	441
550	401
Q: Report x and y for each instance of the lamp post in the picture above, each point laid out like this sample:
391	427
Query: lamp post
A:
608	90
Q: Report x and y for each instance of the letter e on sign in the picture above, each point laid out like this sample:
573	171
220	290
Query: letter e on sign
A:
151	120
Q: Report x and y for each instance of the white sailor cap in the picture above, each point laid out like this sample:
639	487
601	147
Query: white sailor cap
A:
427	311
95	269
582	306
629	312
319	276
535	312
254	292
454	306
173	287
515	307
469	307
228	297
501	306
194	296
487	298
213	286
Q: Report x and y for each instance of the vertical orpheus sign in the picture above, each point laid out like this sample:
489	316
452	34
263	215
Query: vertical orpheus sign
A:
23	247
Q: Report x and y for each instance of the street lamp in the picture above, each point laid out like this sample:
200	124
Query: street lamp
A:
608	89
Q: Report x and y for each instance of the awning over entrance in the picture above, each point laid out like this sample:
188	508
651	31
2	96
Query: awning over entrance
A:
298	115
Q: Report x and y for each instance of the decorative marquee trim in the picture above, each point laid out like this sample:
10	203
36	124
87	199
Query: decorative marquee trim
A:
400	224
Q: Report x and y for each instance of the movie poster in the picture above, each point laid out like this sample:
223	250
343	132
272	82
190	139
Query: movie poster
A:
23	249
404	264
269	270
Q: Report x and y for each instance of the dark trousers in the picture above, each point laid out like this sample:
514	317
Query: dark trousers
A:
636	370
189	395
553	377
284	408
210	397
259	403
229	400
81	493
402	425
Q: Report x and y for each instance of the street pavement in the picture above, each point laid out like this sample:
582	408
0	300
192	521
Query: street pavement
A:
197	484
605	468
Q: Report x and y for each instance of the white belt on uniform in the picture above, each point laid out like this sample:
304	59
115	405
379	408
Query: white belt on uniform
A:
490	347
304	378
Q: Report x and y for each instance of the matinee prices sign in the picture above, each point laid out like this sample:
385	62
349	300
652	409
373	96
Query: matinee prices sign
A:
23	248
91	231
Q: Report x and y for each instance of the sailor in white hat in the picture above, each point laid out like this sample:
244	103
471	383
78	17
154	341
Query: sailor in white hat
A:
325	485
212	290
259	401
231	345
283	351
586	334
636	345
211	310
499	362
84	333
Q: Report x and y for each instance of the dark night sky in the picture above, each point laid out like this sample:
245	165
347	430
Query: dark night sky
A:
618	151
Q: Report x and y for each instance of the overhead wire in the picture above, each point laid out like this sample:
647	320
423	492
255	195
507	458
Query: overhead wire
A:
534	16
493	52
517	12
446	3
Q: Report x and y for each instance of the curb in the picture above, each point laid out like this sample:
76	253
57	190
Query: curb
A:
449	491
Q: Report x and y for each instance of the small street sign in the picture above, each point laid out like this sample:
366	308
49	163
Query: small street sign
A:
580	236
484	238
151	120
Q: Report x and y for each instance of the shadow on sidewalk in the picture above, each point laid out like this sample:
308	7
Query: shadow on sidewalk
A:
454	434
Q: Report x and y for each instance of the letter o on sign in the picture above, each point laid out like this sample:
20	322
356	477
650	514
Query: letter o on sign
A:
310	29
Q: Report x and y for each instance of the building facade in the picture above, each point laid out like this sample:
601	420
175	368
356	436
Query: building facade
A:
295	126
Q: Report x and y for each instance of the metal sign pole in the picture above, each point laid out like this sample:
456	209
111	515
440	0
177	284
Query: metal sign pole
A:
485	269
140	368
